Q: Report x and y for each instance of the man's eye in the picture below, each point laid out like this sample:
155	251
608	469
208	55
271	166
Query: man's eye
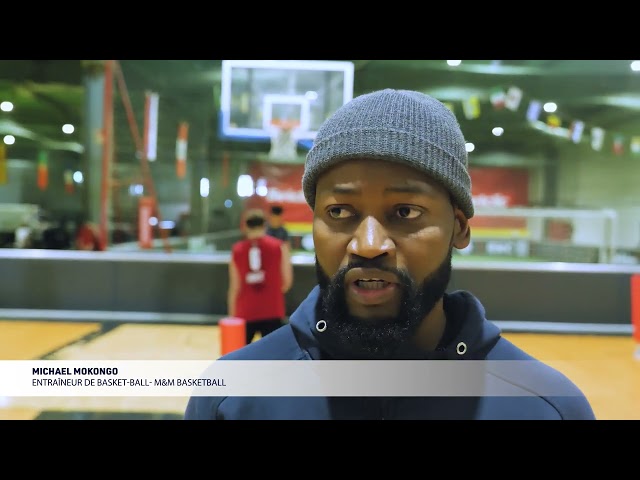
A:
339	212
408	212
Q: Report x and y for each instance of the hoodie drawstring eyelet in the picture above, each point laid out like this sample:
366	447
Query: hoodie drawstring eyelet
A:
461	348
321	326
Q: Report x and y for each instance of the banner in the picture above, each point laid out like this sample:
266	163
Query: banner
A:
150	138
145	229
289	378
43	170
283	184
181	149
496	188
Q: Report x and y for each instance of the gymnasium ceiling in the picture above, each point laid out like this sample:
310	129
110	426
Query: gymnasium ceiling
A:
601	93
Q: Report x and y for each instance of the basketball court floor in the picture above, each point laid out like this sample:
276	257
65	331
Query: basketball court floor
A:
602	366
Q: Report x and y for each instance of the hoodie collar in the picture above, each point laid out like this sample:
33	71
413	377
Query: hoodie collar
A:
468	334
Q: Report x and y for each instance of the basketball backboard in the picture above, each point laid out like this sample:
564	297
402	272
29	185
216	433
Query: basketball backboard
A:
259	95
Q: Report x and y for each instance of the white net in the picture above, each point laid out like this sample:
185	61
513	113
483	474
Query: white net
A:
283	143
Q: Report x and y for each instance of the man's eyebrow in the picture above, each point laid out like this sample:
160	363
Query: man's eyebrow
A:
345	189
413	187
409	188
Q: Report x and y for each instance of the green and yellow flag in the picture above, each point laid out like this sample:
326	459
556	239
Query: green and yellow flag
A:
43	170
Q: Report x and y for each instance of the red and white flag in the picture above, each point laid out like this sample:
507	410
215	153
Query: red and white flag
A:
498	98
181	149
151	126
618	144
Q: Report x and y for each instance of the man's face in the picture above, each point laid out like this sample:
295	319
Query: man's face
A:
275	220
383	236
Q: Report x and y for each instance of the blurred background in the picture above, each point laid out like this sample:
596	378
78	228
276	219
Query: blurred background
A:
160	158
554	141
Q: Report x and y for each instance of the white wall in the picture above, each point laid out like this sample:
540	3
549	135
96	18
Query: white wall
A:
597	180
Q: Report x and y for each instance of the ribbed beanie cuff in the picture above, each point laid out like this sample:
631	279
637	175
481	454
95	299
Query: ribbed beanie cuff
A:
399	126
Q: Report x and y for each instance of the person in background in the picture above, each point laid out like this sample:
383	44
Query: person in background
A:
260	273
57	237
87	237
387	180
277	229
276	226
23	236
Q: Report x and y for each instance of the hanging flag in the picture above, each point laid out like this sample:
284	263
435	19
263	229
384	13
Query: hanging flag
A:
597	138
3	164
553	121
576	130
635	145
471	107
512	101
533	112
68	181
618	144
181	149
151	126
498	98
43	169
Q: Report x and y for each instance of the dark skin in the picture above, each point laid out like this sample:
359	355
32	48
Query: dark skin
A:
374	209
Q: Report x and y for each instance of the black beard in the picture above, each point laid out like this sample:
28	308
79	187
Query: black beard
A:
353	338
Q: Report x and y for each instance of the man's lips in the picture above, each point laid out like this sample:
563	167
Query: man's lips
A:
371	286
356	274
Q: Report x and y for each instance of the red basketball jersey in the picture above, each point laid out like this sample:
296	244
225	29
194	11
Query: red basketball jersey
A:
258	263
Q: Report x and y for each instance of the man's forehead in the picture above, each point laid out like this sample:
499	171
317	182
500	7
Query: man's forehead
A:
375	172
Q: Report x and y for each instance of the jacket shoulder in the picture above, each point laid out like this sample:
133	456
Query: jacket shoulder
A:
533	377
278	345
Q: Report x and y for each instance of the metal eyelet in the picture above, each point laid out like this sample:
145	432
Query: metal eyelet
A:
461	348
321	326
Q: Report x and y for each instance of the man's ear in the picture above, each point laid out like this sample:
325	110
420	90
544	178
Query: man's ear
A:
461	230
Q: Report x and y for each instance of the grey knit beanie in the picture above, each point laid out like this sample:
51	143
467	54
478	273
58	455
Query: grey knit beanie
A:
400	126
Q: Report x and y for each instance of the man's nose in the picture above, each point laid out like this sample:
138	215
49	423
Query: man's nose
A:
371	239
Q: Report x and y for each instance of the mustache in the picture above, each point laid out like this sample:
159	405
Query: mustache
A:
334	285
373	263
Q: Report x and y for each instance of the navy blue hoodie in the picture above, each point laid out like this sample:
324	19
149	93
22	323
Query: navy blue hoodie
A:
466	322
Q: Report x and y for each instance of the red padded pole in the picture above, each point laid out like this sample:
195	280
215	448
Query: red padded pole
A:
635	312
232	334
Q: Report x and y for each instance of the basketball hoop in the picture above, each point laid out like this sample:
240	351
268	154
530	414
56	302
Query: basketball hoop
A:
283	141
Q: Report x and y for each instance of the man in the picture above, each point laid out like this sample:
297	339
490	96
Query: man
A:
388	183
260	274
276	224
23	235
87	237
